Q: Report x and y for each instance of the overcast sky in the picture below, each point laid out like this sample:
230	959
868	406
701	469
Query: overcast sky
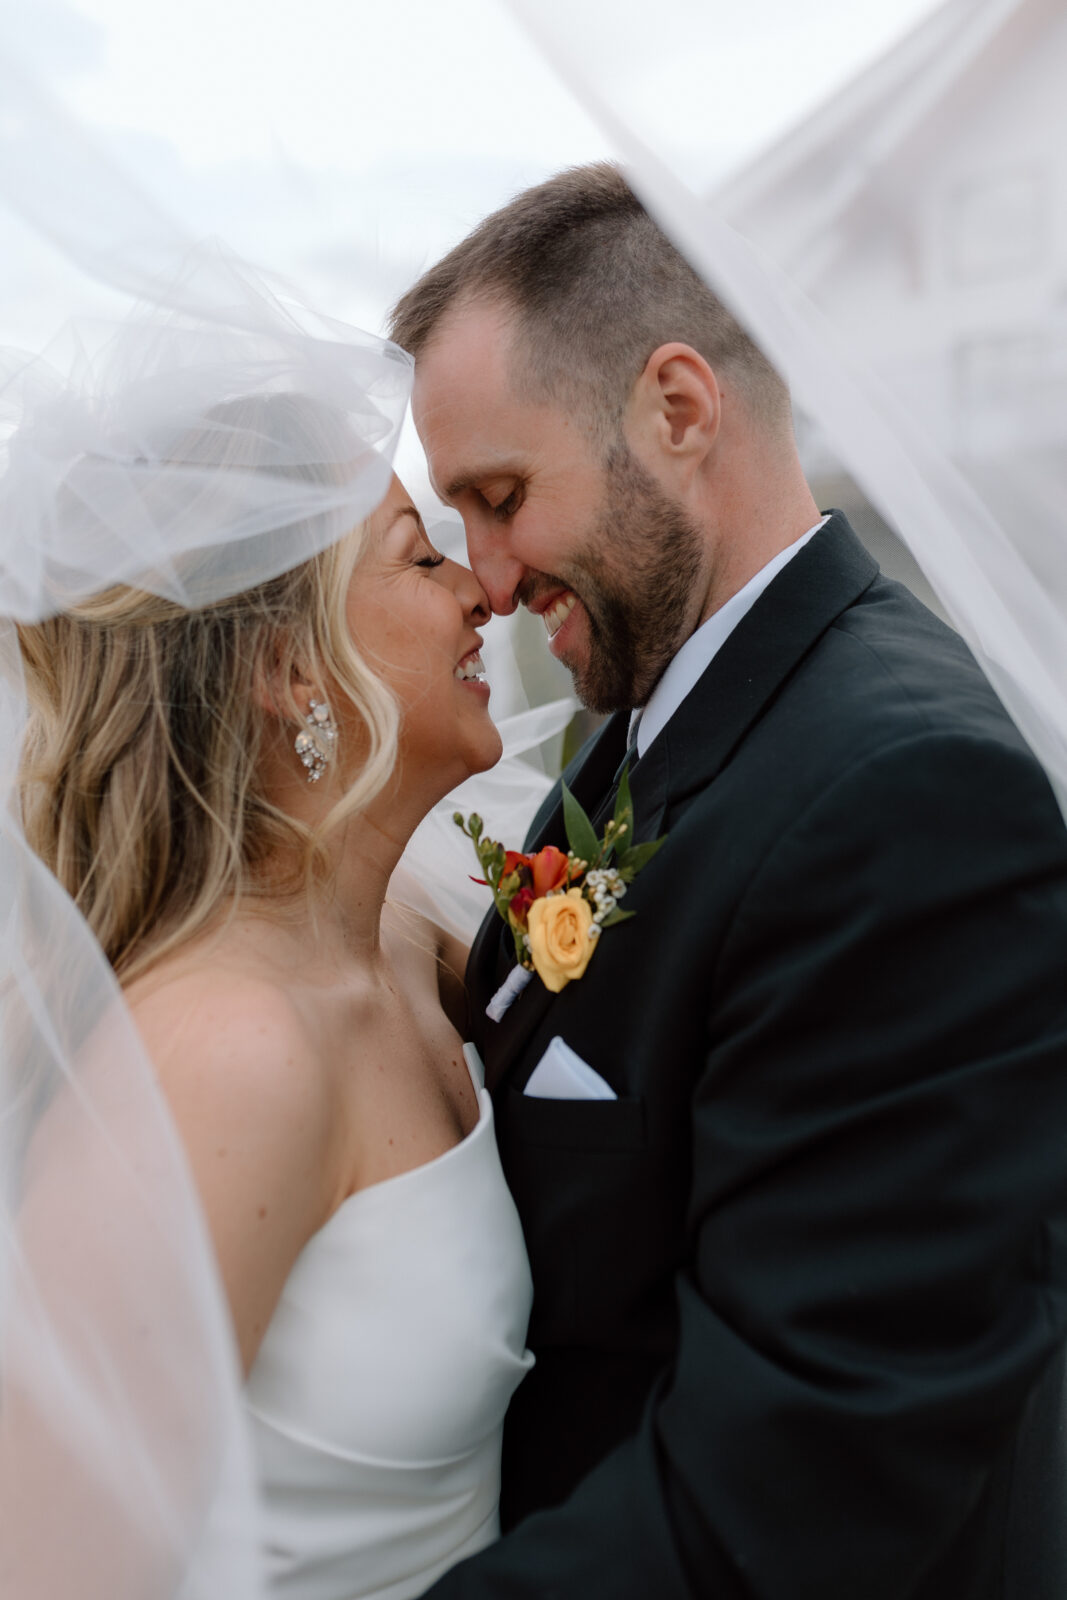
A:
348	142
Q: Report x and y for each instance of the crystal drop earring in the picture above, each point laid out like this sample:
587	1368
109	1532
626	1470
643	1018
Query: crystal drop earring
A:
315	743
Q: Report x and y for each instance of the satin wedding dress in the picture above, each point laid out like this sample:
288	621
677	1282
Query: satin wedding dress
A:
378	1395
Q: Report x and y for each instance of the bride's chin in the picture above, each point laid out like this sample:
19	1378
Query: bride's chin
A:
443	773
482	747
494	750
479	760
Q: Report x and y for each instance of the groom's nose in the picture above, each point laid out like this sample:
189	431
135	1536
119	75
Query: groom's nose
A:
497	569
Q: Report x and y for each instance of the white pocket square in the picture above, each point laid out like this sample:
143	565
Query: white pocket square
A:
561	1074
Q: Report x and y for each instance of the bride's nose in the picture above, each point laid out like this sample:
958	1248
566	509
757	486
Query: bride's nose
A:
469	592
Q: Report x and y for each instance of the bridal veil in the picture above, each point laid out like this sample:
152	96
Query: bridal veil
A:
123	1462
122	1458
124	1465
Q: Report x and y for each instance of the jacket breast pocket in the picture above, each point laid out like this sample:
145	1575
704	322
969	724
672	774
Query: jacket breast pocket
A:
583	1181
577	1124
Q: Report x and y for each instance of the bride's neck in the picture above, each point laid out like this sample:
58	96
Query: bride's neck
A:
363	855
340	918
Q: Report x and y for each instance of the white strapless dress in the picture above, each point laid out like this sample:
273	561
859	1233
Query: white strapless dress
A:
378	1395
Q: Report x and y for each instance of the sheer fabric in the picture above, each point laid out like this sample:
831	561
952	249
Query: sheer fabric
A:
960	444
123	1465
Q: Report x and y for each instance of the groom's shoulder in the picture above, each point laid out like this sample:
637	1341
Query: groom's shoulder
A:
889	663
886	714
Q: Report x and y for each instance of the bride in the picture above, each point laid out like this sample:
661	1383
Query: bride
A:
223	783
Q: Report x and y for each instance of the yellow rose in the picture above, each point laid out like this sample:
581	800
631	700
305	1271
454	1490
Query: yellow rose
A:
558	926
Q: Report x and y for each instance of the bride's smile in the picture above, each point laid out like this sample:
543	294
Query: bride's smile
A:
414	615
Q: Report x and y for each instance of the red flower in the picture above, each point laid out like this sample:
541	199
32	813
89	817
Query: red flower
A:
548	868
519	907
514	861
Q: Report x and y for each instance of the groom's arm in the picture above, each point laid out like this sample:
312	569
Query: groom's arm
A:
876	1279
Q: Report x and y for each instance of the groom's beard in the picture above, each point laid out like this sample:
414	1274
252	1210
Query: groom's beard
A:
637	580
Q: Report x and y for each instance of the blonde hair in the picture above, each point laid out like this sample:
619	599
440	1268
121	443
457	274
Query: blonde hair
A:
140	781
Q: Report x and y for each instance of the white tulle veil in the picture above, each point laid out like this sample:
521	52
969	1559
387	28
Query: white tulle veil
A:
124	1469
123	1466
927	190
122	1459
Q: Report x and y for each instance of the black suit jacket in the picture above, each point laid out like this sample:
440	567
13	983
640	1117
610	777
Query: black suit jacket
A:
795	1287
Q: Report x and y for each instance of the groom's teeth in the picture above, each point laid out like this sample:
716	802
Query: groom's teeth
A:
557	615
471	667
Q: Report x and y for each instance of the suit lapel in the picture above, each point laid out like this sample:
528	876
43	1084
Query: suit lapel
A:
792	614
590	778
821	582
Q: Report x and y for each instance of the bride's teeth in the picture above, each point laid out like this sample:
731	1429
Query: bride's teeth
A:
470	667
557	615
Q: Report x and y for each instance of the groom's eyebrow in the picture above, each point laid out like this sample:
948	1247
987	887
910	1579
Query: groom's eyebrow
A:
459	486
473	477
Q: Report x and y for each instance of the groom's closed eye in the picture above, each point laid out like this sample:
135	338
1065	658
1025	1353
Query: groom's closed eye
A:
508	506
501	497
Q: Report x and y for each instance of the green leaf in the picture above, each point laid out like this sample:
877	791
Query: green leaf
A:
639	855
580	836
617	916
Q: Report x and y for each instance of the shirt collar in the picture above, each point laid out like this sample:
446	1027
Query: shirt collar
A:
700	649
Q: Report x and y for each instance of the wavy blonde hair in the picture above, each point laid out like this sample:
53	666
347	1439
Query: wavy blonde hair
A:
140	782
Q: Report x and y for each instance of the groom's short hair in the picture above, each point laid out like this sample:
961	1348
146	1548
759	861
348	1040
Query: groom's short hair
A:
594	286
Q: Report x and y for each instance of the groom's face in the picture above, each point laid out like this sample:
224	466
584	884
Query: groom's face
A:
586	539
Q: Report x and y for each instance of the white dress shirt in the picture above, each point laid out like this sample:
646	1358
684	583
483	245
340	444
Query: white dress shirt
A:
701	647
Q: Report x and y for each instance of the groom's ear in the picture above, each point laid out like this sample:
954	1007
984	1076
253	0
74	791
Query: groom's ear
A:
675	409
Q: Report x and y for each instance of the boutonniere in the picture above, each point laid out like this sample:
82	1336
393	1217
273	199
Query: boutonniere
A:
557	904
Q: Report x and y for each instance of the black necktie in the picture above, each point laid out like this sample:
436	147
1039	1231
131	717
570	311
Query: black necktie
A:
632	754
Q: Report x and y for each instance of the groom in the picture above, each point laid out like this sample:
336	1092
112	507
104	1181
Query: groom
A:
801	1283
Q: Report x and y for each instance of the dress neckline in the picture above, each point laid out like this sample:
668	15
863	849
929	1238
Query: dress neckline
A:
485	1112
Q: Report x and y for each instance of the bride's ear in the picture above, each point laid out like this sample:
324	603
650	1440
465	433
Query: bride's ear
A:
280	685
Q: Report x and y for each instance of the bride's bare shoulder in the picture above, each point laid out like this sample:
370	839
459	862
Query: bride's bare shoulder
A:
234	1045
258	1118
213	1007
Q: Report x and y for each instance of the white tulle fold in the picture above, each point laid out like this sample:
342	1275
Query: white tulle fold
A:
986	523
124	1470
123	1464
436	876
